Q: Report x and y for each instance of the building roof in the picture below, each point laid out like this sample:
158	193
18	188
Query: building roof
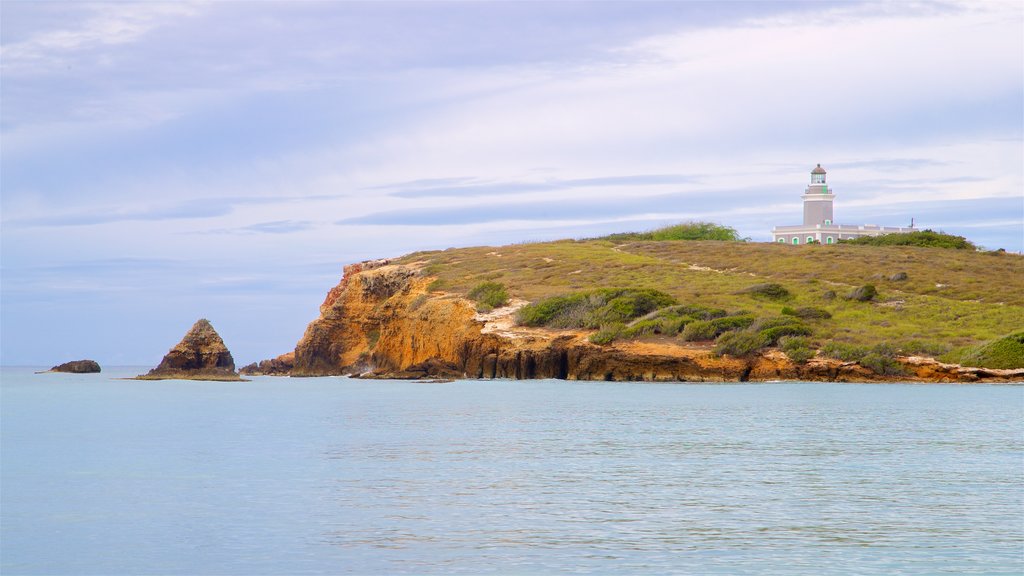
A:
818	170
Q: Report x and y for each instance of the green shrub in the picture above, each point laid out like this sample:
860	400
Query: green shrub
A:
1006	352
807	313
689	310
924	238
683	231
843	351
733	322
593	308
490	294
607	334
863	293
642	328
880	359
925	348
670	326
881	364
773	334
797	348
699	330
770	290
773	321
739	344
710	329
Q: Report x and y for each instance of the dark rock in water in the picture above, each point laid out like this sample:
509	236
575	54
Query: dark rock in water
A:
78	367
201	355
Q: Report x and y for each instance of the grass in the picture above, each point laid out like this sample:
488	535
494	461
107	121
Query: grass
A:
950	299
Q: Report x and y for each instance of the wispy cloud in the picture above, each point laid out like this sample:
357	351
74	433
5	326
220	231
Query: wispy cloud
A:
464	187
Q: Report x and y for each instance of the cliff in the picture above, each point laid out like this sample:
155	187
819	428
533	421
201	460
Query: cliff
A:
383	321
200	355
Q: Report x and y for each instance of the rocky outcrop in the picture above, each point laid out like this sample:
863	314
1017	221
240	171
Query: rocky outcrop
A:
280	366
78	367
381	321
201	355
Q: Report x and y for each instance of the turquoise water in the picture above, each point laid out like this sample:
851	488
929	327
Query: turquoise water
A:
336	476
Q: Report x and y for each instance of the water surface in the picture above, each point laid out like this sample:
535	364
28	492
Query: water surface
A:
330	475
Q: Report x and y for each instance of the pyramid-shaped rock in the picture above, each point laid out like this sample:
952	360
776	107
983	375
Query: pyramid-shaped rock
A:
201	355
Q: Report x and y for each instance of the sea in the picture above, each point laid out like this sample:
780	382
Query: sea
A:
105	476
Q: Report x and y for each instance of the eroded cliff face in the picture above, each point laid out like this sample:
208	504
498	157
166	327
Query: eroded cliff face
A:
381	321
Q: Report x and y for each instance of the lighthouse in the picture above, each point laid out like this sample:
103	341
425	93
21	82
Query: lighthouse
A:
819	226
818	199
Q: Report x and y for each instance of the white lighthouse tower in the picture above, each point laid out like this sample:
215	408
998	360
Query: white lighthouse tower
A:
819	226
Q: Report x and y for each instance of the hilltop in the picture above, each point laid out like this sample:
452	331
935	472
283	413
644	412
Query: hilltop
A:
670	309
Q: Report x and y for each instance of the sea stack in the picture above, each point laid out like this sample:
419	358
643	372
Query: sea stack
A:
201	355
77	367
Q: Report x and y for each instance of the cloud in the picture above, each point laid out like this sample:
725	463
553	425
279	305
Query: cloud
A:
562	209
465	187
274	227
172	211
94	25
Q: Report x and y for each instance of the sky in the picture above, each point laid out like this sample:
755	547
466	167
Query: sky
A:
163	162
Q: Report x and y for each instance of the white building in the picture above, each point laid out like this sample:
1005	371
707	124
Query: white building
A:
818	223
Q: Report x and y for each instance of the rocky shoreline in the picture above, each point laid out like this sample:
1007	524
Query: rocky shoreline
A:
382	321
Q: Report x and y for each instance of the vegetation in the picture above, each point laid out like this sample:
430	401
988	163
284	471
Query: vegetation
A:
770	290
880	359
743	343
683	231
1006	352
921	238
863	293
797	348
951	299
489	295
593	308
807	313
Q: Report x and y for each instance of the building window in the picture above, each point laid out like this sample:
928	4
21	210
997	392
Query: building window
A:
782	240
796	240
828	222
810	239
828	240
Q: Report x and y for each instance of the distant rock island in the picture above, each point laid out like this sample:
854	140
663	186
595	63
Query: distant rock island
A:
201	355
77	367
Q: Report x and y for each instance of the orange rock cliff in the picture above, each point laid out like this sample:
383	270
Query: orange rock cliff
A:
381	321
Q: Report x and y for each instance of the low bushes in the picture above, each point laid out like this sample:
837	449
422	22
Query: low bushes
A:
863	293
1006	352
710	329
880	359
807	313
489	295
924	238
770	291
743	343
683	231
798	348
593	308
